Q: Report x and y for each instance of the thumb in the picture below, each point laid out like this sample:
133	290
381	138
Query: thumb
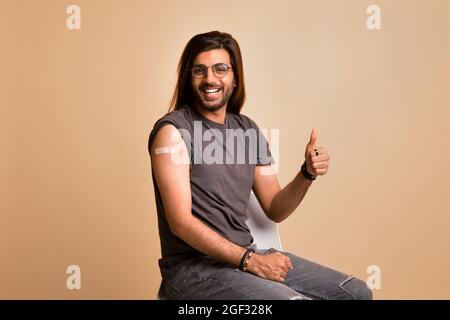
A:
313	139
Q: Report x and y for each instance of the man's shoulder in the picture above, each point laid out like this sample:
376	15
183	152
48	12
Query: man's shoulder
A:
181	115
179	118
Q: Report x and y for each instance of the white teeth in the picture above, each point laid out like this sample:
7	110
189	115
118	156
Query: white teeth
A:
211	90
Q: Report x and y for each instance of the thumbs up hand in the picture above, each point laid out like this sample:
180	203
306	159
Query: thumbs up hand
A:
317	158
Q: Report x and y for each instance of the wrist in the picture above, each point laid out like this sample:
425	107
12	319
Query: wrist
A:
246	257
306	173
253	262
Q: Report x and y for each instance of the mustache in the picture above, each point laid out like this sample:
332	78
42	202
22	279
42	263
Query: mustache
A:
211	85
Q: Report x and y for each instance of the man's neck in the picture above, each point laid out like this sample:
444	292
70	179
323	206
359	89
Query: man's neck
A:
215	116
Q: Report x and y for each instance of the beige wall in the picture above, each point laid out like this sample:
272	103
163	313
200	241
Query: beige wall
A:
77	107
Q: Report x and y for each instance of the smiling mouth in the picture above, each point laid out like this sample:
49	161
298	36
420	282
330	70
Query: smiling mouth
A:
211	93
211	90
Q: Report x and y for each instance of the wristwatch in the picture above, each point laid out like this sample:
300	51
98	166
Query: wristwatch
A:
305	172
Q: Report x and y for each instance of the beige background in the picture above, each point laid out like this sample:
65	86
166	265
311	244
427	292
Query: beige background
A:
77	107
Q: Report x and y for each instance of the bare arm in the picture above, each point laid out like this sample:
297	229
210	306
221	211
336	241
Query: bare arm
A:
278	203
172	175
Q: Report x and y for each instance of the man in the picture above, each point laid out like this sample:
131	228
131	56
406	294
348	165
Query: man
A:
206	158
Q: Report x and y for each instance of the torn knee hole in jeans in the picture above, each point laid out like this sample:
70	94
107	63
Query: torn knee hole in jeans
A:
300	297
346	281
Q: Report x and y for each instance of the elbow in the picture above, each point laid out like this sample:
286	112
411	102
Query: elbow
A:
274	217
176	229
278	216
179	228
276	220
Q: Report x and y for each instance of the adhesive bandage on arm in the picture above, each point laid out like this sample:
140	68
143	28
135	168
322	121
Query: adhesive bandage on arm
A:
163	150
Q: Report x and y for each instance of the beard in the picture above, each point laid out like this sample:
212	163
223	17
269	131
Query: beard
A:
215	104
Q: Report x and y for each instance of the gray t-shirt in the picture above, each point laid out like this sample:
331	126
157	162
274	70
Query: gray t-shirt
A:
223	159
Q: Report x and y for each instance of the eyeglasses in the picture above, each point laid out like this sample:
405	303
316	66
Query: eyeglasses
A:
220	70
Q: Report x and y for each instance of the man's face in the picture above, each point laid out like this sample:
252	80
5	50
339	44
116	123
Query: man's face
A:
220	88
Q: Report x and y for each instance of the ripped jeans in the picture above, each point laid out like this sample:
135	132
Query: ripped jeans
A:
207	278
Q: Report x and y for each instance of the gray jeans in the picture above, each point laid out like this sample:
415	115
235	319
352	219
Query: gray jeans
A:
207	278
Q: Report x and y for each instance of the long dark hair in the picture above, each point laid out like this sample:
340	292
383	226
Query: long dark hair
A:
183	94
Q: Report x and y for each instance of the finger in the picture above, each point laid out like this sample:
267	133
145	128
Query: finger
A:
312	153
318	151
320	165
313	138
289	263
321	172
322	150
321	158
